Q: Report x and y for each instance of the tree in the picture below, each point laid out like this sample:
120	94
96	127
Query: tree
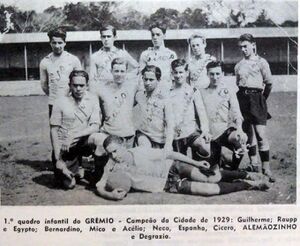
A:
262	21
167	17
51	18
198	19
131	19
90	16
289	23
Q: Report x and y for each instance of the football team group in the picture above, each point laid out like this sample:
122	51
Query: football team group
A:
160	124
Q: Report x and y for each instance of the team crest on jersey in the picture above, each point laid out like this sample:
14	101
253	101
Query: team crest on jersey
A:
61	68
223	92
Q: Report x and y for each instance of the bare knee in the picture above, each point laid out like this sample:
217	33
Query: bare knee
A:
201	147
143	141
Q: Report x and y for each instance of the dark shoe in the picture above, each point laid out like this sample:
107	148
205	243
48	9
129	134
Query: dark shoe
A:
253	168
255	176
268	173
261	185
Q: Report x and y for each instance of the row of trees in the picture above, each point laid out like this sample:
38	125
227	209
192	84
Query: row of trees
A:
89	16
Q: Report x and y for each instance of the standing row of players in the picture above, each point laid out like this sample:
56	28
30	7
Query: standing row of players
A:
178	105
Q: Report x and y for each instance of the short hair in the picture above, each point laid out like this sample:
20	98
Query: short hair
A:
79	73
247	37
112	139
158	25
179	63
154	69
58	32
214	64
197	35
119	61
108	28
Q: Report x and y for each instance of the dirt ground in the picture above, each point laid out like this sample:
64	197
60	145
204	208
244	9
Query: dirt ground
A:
26	177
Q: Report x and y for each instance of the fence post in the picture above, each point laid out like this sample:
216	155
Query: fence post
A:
25	61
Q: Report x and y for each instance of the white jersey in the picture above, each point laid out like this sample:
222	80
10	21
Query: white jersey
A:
198	71
55	71
161	58
100	66
117	108
222	109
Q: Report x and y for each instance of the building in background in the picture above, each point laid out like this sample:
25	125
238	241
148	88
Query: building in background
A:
22	53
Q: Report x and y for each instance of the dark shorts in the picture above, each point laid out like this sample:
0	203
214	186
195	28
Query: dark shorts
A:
175	183
181	145
216	146
154	145
178	178
72	157
253	106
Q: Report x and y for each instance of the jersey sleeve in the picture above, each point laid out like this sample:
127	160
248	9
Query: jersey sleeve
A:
44	77
201	111
131	61
143	60
93	73
56	116
95	116
266	72
77	63
236	72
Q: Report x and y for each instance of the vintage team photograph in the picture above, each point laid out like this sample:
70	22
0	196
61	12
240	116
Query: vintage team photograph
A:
148	102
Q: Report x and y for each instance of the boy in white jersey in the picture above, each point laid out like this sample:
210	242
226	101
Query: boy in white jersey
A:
116	102
56	67
187	104
225	119
155	112
155	170
74	118
100	65
198	61
254	79
159	55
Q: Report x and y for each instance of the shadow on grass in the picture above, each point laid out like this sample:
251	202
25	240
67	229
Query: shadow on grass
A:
37	165
46	180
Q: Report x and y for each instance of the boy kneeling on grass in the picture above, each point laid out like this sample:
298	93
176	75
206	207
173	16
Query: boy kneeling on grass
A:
74	118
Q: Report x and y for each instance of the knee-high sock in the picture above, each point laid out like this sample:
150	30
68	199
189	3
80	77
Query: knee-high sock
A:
100	162
233	187
236	160
228	176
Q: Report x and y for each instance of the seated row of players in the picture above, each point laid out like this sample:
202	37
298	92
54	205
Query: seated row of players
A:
167	115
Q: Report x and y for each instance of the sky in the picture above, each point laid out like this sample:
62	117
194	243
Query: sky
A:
278	10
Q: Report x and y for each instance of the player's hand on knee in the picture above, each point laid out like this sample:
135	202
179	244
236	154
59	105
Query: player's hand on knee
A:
241	141
61	165
204	164
242	137
67	144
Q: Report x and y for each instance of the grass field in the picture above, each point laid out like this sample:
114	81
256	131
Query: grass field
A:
26	177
